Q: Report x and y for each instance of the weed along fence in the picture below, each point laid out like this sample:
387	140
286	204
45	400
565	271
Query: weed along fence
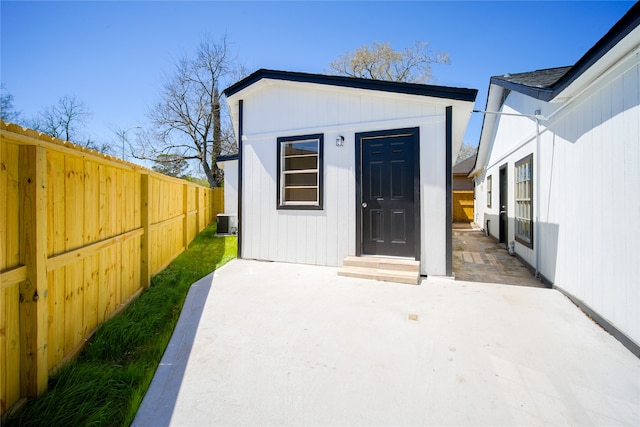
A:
81	235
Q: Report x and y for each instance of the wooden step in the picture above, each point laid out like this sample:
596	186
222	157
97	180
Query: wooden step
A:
384	269
399	264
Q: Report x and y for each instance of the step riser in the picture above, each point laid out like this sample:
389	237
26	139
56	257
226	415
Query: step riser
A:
382	264
381	277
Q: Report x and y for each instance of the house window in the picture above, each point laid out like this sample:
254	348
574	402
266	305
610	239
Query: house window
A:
489	187
300	177
524	201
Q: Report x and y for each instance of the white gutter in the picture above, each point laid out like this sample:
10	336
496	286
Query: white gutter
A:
536	225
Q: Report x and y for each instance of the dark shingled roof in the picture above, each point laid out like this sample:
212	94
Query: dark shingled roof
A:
539	78
465	166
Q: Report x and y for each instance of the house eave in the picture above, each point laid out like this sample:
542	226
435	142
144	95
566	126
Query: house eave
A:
543	94
495	98
445	92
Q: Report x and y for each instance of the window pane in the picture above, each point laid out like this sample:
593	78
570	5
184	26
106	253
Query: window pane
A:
523	194
301	194
301	179
298	148
301	163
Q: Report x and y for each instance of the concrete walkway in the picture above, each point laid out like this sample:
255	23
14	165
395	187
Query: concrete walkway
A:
275	344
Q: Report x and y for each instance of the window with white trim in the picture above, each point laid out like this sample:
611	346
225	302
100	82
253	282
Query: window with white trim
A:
300	176
524	201
489	190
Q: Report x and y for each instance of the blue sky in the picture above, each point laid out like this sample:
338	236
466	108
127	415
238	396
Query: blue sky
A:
115	56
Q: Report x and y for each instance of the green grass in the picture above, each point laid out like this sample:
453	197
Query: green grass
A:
105	384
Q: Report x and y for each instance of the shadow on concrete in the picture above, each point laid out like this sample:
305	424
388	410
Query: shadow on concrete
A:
158	404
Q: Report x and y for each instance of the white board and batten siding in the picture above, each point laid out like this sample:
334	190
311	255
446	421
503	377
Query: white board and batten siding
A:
590	201
515	138
586	191
276	109
230	168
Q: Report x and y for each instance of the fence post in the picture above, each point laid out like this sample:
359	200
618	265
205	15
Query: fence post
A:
145	239
185	210
198	191
33	254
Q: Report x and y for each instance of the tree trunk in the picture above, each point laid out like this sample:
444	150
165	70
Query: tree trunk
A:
217	138
209	173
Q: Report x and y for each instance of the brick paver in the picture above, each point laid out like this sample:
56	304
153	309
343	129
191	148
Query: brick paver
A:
478	258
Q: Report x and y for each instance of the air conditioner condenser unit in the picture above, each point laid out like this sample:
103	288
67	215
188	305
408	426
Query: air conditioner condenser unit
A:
227	224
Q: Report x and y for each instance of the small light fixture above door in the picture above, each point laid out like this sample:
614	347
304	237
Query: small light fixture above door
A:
339	141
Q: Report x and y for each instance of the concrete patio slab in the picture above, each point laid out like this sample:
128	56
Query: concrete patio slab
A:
283	344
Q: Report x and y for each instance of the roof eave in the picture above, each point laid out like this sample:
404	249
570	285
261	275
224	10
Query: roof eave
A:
494	101
544	94
446	92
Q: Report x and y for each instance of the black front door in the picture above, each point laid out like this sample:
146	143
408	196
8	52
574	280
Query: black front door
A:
388	193
504	213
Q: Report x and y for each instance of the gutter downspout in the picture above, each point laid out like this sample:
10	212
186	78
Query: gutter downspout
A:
240	169
536	182
449	192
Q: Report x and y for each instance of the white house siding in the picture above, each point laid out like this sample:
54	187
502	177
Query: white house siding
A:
589	195
327	236
515	138
231	187
433	197
591	206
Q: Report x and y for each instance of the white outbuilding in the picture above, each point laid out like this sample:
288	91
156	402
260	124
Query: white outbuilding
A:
332	167
228	220
558	178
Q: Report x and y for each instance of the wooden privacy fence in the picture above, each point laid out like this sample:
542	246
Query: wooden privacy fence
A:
82	234
463	206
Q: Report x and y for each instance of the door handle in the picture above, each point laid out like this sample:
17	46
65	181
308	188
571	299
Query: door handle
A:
364	204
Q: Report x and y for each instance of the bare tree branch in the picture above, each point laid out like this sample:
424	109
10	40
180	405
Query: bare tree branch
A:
188	119
170	164
7	111
381	62
465	152
64	119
